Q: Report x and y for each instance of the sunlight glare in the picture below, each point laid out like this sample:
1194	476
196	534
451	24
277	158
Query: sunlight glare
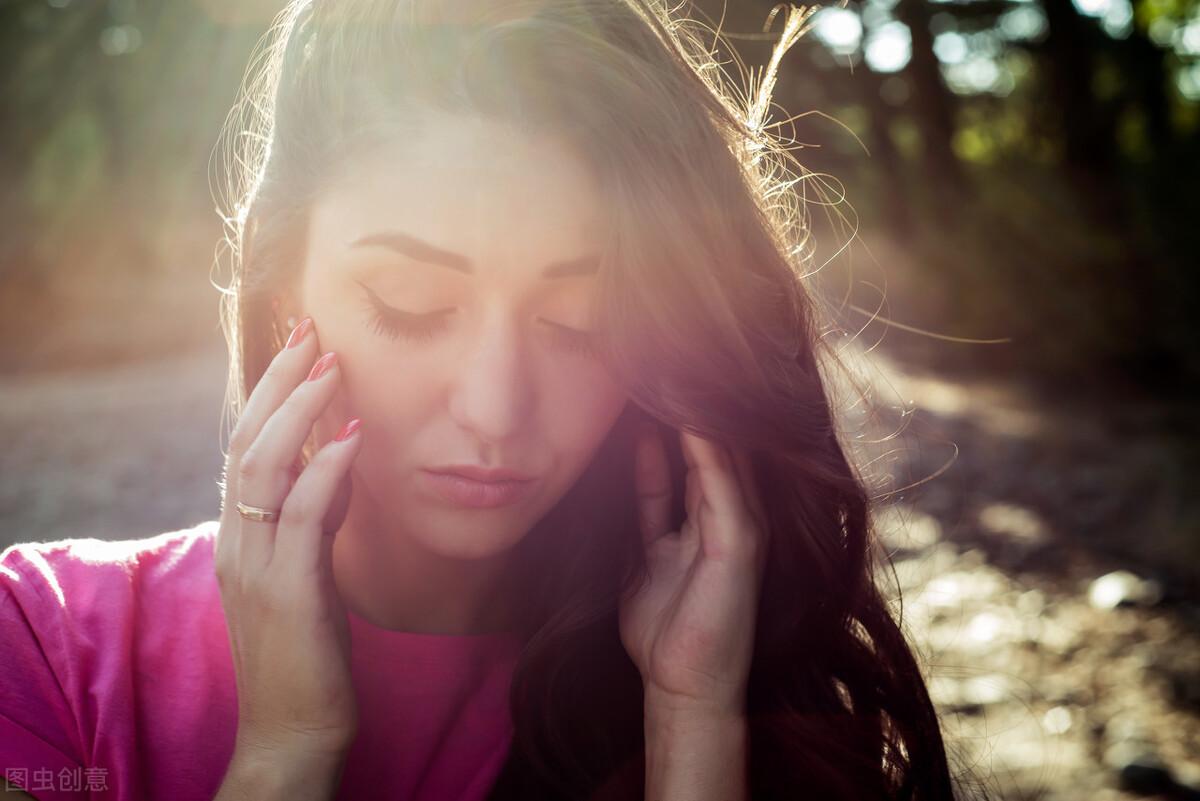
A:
889	47
840	29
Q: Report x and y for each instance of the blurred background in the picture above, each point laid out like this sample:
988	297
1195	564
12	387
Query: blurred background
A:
1020	201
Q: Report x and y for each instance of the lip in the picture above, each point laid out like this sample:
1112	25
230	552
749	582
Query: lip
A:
461	488
476	473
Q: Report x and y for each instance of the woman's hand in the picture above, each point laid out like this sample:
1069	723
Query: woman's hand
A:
287	625
690	627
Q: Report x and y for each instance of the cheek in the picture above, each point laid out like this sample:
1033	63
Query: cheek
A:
390	402
581	406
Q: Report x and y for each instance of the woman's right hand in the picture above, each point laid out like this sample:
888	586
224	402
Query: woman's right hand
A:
287	625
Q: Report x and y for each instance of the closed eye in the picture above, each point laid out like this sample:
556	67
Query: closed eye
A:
583	342
393	322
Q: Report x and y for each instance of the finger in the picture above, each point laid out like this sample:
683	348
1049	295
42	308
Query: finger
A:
285	372
281	441
694	495
750	492
287	369
721	493
294	472
299	555
264	471
652	477
711	461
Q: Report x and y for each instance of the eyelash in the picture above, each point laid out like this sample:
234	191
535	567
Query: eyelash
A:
394	323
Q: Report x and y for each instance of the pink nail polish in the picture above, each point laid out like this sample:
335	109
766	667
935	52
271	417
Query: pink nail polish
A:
299	332
322	366
348	430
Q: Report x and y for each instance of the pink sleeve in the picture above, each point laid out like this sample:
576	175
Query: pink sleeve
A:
39	736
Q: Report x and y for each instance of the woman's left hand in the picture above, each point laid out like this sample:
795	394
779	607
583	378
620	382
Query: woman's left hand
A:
690	627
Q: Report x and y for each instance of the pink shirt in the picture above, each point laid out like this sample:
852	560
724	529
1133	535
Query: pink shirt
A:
116	682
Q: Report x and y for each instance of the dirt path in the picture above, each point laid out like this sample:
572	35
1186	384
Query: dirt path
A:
1047	558
123	452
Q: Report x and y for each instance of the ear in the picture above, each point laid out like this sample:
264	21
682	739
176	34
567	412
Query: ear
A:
285	313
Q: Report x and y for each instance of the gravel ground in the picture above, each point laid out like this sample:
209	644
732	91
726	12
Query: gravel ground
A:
1043	563
128	451
1046	564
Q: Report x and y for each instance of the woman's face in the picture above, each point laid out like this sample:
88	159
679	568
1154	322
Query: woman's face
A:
454	275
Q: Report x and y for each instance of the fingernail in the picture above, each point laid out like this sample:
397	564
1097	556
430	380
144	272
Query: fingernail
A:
299	332
322	366
348	430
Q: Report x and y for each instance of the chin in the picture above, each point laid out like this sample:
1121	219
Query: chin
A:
469	534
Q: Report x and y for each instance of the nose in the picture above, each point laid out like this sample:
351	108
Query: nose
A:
492	393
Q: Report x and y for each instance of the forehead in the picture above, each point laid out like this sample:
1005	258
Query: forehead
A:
503	198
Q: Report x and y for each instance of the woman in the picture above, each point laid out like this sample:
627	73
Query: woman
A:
535	490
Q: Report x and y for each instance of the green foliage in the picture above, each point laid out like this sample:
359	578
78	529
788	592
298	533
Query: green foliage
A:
1058	197
68	167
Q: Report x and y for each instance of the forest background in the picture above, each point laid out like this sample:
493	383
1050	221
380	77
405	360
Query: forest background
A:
1018	184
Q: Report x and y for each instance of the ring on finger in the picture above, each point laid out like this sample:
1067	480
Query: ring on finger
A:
257	513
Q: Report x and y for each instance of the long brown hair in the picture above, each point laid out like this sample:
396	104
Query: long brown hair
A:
709	320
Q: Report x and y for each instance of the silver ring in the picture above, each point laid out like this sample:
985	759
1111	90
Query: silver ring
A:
257	513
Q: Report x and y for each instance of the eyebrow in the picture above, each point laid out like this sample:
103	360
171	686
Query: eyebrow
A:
409	245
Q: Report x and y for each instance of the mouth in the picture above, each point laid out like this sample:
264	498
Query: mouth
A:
467	491
479	473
